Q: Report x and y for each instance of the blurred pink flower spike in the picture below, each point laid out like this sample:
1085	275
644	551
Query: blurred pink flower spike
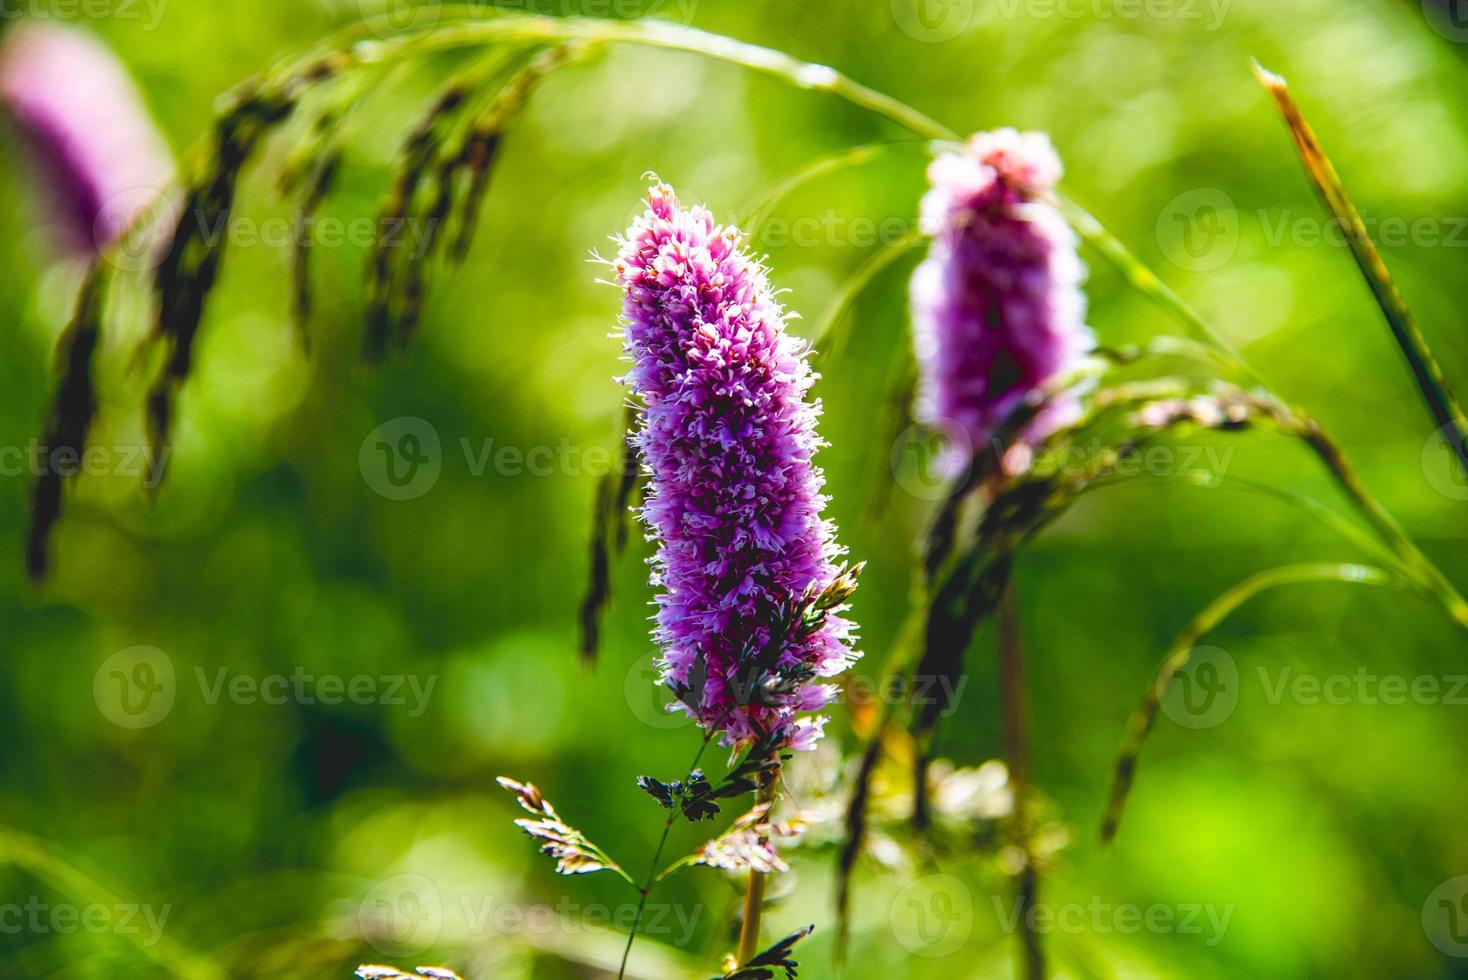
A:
98	157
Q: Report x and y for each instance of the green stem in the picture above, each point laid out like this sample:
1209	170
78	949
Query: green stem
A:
829	335
43	861
754	896
1180	653
657	855
1017	754
1426	373
643	892
1335	462
1136	273
475	28
1383	522
852	156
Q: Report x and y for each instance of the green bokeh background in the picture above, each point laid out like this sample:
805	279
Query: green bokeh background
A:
264	829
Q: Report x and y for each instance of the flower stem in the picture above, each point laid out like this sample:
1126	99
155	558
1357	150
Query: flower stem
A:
1015	729
467	25
754	896
657	855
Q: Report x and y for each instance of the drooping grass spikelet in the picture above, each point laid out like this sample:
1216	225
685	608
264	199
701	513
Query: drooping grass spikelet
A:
72	409
609	520
444	173
196	248
751	595
998	311
190	267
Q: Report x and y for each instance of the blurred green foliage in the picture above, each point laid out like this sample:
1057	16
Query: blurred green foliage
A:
270	832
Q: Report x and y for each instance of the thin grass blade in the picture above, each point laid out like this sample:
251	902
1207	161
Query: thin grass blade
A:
1180	653
1425	370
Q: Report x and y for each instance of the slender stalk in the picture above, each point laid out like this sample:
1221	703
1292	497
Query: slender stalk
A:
853	156
1425	370
754	896
47	863
1015	725
1384	524
468	25
829	335
1148	284
1314	435
1180	653
657	855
